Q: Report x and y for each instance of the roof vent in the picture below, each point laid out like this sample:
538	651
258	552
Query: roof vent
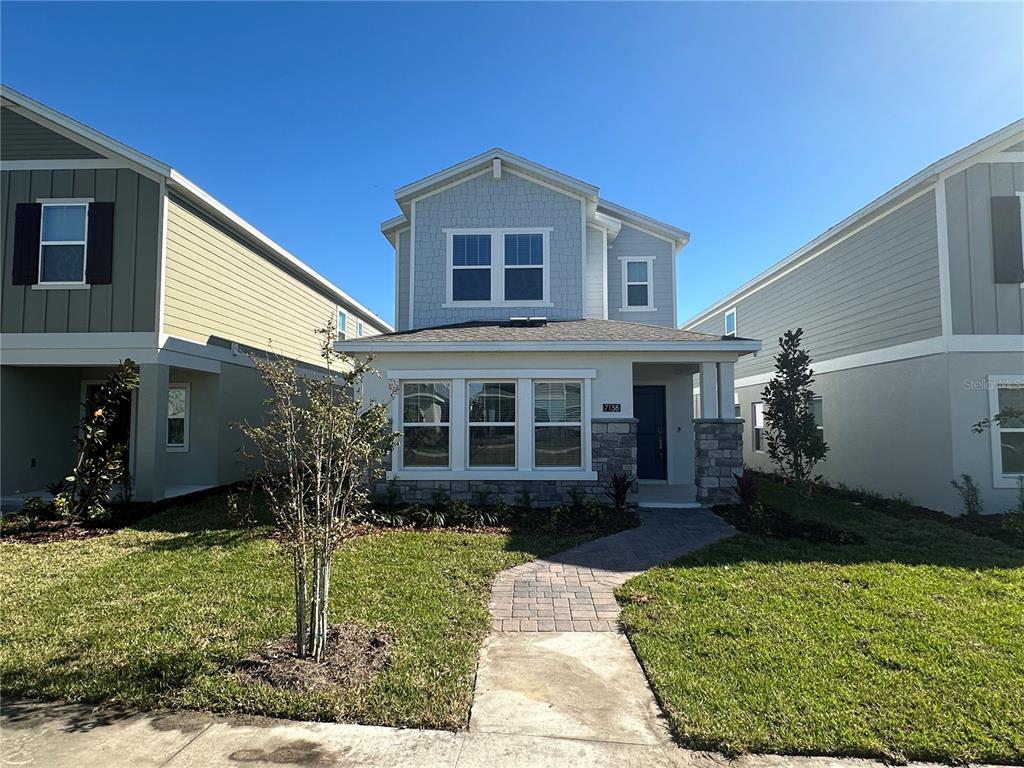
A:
527	322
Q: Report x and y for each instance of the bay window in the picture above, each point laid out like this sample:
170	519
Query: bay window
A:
492	424
426	424
558	424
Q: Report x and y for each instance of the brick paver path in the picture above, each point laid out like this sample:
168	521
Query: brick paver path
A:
573	591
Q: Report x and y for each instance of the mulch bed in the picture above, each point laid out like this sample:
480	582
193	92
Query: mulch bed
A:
355	654
50	531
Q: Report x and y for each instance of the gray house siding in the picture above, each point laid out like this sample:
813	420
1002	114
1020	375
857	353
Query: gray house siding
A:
978	303
128	303
633	242
402	283
484	201
24	139
595	301
877	288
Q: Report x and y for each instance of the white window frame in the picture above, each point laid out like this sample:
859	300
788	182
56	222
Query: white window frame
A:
625	261
754	427
57	202
342	319
731	312
497	266
401	420
360	328
516	427
183	447
820	427
535	423
1001	479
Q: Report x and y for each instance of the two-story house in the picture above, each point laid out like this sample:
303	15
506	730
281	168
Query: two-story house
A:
109	254
913	312
536	344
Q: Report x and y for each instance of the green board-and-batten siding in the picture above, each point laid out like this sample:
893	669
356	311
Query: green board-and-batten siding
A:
129	302
24	139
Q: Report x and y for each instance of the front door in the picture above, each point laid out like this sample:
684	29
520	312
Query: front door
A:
649	410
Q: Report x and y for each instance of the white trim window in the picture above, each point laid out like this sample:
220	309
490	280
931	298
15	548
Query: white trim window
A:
342	324
1006	392
730	322
426	424
558	424
637	284
178	406
498	267
63	234
491	424
360	329
757	421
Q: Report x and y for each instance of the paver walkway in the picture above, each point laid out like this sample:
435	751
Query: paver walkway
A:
574	591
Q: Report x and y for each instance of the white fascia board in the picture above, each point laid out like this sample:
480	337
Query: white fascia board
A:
398	222
898	195
182	185
609	225
741	347
679	237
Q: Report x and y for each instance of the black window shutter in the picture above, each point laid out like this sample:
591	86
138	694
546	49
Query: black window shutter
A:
26	243
99	257
1007	246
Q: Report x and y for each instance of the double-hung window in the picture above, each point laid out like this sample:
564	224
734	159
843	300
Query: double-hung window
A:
426	424
758	423
730	322
342	325
471	267
558	424
637	290
524	267
492	423
360	328
177	417
63	235
1008	433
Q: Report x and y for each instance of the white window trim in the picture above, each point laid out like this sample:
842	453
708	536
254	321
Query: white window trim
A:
754	427
400	452
342	320
497	266
625	261
183	448
458	430
54	202
579	423
735	326
1001	479
360	329
516	427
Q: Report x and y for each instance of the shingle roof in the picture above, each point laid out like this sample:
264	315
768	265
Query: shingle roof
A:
551	331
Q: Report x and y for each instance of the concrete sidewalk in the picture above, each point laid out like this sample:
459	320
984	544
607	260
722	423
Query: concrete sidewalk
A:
48	735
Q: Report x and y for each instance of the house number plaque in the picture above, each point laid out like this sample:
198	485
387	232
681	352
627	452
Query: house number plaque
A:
611	407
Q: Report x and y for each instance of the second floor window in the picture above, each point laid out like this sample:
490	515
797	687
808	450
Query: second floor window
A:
62	244
524	267
498	267
636	284
471	267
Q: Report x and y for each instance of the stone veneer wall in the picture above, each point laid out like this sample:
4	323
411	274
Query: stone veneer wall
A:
718	458
613	447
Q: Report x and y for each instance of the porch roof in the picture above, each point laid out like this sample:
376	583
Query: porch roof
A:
546	335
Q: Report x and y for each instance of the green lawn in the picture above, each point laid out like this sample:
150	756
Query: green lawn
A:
908	646
158	613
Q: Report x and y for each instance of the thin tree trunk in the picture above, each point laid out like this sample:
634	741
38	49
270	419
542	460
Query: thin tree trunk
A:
299	564
314	633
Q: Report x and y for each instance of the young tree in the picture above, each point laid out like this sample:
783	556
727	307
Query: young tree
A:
794	443
85	493
320	449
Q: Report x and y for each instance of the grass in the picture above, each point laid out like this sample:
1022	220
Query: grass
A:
157	614
907	646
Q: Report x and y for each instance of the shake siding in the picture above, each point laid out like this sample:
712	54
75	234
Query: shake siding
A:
24	139
402	307
877	288
218	287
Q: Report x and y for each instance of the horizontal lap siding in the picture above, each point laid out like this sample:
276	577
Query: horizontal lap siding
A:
876	289
128	302
634	243
218	287
24	139
402	306
594	278
979	304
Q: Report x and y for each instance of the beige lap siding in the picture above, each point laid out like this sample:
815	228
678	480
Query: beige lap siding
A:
215	286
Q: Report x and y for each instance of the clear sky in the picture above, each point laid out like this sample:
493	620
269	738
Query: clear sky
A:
753	126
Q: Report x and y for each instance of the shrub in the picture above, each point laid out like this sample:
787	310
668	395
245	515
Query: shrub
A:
970	494
619	486
746	488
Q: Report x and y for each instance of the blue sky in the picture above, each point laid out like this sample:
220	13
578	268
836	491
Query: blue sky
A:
753	126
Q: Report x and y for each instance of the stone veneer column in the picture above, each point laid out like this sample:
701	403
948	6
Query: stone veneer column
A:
718	458
613	450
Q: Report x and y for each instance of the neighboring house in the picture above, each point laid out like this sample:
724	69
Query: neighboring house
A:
913	312
109	254
536	345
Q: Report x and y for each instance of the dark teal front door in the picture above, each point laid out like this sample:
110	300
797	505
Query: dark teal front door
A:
649	410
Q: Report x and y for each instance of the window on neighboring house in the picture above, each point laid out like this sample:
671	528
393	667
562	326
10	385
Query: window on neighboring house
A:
636	283
1010	432
524	267
359	328
342	324
558	423
471	267
738	411
492	424
177	416
426	424
819	416
730	322
62	242
758	420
